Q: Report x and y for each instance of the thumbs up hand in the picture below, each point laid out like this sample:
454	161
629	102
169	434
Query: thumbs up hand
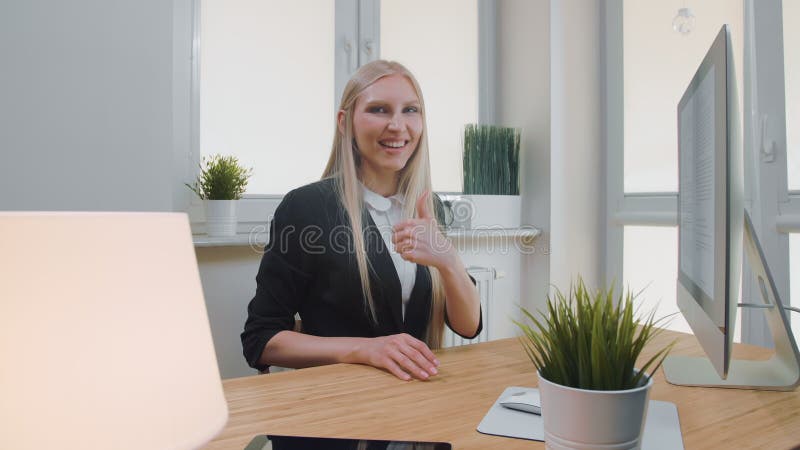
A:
419	240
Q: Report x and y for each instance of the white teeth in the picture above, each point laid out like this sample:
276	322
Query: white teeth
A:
396	144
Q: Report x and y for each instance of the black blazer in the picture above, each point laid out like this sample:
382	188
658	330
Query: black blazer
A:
309	268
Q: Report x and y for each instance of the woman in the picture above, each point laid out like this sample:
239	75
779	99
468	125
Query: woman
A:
331	258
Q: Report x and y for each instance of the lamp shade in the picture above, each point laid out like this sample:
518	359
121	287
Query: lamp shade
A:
104	337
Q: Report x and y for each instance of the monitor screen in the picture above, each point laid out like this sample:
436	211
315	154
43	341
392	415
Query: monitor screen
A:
710	202
701	200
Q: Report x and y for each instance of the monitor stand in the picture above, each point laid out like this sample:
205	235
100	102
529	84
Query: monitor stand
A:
779	373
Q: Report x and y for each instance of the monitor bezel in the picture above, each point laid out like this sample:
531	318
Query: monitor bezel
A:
712	320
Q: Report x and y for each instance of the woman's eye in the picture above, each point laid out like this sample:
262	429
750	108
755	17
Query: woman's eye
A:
377	109
412	109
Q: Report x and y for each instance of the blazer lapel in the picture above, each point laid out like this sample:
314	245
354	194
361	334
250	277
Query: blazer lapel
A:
385	277
419	304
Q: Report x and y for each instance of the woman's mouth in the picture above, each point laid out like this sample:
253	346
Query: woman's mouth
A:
393	146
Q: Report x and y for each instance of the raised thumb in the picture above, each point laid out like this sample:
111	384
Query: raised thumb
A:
423	212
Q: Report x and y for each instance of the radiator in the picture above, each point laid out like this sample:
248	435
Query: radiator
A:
484	277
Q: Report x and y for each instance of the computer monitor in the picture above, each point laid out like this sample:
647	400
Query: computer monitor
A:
710	204
713	229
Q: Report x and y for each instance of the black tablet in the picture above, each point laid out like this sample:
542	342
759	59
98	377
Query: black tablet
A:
316	443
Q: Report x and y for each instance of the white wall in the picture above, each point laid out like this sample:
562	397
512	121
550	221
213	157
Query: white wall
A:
524	102
87	99
576	142
229	282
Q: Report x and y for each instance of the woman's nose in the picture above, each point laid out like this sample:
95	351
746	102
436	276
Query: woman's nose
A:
395	123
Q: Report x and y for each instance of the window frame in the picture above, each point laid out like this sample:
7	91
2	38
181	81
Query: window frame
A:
356	22
774	209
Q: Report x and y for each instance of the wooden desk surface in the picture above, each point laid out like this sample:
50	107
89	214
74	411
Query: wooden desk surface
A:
355	401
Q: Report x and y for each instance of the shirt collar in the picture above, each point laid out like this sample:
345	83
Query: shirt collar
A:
378	202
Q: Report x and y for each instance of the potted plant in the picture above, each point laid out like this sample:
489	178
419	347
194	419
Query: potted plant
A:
491	178
220	184
585	351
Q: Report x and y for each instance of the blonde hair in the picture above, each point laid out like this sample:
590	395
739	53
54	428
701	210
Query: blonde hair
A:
414	180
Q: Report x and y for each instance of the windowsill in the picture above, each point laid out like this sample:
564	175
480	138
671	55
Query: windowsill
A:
238	240
514	233
260	239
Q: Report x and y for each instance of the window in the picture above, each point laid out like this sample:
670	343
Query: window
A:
794	274
791	64
641	168
649	77
269	72
442	52
658	64
266	80
651	267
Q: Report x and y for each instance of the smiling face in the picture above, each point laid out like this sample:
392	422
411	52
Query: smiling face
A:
387	125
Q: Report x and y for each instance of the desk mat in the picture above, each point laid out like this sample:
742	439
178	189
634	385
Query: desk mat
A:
662	430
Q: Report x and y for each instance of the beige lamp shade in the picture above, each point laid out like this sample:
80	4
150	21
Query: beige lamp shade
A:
104	337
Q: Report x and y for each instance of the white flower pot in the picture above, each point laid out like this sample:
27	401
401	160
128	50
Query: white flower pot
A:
220	217
585	419
487	211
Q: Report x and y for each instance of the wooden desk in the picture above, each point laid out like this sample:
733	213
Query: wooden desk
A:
362	402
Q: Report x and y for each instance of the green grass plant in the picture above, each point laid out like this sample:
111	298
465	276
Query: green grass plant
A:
591	340
221	178
491	160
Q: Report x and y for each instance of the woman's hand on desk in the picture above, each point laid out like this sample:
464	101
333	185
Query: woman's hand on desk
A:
401	354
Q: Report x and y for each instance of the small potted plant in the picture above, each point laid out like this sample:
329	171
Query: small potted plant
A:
220	184
585	352
491	178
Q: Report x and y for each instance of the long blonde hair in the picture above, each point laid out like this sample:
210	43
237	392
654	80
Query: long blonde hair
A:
415	179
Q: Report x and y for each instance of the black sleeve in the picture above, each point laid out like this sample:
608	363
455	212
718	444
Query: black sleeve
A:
282	281
480	317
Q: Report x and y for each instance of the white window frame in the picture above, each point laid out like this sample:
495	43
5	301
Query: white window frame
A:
357	41
775	214
775	210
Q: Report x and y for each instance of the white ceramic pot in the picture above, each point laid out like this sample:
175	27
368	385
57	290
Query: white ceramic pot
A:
487	211
220	217
584	419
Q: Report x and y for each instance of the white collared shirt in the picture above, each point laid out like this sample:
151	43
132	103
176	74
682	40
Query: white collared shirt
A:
386	212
